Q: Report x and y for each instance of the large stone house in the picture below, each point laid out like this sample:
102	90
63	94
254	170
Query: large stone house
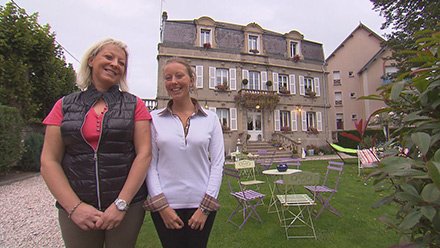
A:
356	68
263	85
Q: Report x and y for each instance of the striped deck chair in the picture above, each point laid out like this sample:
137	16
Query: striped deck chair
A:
367	158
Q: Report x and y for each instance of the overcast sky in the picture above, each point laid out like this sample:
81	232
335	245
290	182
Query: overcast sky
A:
78	24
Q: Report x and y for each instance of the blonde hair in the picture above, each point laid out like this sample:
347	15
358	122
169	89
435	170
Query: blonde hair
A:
189	69
84	78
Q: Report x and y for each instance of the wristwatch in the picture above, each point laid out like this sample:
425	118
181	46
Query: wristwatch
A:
121	205
204	211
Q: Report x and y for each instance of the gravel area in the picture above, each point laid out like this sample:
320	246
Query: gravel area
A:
29	217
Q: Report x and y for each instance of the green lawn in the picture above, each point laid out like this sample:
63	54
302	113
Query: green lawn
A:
358	226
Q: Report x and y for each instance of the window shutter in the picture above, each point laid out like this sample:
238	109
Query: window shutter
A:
245	75
302	89
304	121
275	82
319	121
212	77
292	80
199	76
277	121
263	80
233	114
232	78
294	121
317	88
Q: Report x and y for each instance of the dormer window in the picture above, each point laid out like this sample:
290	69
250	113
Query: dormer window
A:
254	44
205	37
294	49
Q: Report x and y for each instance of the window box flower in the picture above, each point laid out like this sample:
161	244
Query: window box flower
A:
225	128
310	93
296	58
284	90
254	51
207	45
285	128
222	87
312	130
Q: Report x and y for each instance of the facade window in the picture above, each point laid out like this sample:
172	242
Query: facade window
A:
283	82
285	120
354	117
336	78
293	49
311	120
350	74
222	76
223	115
308	84
254	80
253	44
205	36
338	98
353	95
339	121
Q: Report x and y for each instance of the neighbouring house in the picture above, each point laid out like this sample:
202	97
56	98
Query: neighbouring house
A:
356	68
263	85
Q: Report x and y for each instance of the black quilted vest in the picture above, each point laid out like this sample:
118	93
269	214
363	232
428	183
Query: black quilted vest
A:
98	176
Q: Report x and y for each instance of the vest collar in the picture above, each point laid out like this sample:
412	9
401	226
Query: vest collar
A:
92	95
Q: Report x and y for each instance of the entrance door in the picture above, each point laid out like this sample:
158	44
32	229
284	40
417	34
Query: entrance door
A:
254	126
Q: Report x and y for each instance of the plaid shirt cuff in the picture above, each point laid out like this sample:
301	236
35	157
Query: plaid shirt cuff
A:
210	203
156	203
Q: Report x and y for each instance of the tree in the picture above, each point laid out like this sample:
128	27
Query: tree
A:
406	17
410	171
33	72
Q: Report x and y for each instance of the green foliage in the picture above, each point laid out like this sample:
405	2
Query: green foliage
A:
11	125
33	72
406	17
30	160
369	133
412	173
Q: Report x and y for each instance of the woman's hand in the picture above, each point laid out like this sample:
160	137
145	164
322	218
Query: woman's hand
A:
197	220
111	218
171	219
85	216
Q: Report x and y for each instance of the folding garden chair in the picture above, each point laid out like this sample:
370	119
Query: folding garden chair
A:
296	217
292	163
247	171
265	159
248	200
367	158
329	186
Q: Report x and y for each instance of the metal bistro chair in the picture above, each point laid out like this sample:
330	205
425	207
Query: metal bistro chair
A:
247	171
296	217
328	187
265	159
248	200
292	163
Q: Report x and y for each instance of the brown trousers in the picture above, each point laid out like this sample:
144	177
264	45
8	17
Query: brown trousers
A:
125	235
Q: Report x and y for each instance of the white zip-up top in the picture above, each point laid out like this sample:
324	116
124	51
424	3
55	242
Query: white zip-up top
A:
186	169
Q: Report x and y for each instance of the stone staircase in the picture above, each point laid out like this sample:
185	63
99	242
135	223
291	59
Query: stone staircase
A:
254	146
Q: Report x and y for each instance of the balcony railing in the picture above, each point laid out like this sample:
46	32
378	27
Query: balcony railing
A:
151	104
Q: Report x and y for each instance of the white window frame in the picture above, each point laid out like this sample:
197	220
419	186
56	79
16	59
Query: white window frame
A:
283	81
205	38
294	48
221	75
254	43
285	120
254	80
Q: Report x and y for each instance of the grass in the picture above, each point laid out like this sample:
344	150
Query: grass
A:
358	226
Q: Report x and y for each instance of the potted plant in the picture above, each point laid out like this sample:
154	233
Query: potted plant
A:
269	83
296	58
312	130
254	51
207	45
310	93
311	150
284	90
285	128
222	87
245	81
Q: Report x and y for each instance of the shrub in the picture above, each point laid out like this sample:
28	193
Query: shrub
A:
411	174
11	125
30	161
